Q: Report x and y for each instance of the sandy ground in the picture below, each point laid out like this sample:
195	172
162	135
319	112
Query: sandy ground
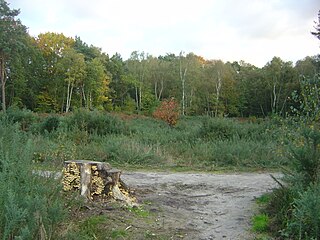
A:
202	206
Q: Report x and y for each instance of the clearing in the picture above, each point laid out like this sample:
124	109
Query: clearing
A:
200	205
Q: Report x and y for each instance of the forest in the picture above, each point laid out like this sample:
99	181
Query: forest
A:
63	99
54	73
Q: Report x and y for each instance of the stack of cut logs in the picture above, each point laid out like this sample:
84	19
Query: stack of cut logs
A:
95	181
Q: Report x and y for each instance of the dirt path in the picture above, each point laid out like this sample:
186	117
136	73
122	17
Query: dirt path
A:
201	206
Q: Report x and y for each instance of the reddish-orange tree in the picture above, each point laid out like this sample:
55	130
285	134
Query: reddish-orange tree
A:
168	111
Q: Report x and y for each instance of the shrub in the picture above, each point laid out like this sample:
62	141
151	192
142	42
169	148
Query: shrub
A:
305	221
95	122
219	129
30	207
168	111
24	117
50	124
225	129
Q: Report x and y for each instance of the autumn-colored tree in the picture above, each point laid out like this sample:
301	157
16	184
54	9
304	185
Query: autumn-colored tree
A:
168	111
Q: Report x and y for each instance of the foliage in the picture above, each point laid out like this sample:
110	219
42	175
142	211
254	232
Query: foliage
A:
260	223
12	38
168	111
24	117
56	73
51	123
224	129
317	27
89	228
95	122
305	221
30	205
295	206
308	99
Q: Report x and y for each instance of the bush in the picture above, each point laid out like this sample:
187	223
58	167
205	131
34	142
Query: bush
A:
305	221
168	111
24	117
226	129
30	207
95	122
50	124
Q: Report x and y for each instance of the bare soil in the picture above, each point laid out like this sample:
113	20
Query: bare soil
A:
201	205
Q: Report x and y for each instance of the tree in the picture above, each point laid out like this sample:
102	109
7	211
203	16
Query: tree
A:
12	34
281	79
214	71
183	68
96	84
317	27
53	47
72	66
137	67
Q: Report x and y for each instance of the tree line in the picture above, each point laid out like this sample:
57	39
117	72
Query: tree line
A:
56	73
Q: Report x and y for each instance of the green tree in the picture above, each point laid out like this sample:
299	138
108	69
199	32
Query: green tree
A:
95	87
137	68
53	47
73	68
281	82
119	85
12	35
25	76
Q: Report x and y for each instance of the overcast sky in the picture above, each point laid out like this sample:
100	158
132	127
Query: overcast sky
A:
231	30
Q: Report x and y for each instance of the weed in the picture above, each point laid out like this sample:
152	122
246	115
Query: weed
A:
118	234
139	211
90	227
260	223
263	199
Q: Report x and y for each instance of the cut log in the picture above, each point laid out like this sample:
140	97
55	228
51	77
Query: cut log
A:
95	181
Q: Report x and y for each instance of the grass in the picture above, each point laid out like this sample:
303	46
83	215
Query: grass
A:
260	223
195	143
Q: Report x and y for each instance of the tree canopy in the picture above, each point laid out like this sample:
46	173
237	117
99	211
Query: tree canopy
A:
56	73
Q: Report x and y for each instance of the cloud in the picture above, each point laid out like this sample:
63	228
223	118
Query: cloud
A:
252	30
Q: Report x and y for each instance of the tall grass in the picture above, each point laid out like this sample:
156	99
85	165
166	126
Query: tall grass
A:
195	142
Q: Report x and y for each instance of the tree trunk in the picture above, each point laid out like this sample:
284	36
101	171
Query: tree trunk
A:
161	90
69	96
218	88
3	81
137	98
140	96
183	82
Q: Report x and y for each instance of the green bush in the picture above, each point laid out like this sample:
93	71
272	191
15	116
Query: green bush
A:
50	124
305	158
295	206
24	117
30	205
305	221
217	129
95	122
226	129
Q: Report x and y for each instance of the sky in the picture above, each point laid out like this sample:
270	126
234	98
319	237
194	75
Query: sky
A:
231	30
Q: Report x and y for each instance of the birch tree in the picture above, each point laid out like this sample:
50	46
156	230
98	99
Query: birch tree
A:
183	68
73	67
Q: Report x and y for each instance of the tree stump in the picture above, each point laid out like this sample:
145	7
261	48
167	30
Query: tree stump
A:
95	181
